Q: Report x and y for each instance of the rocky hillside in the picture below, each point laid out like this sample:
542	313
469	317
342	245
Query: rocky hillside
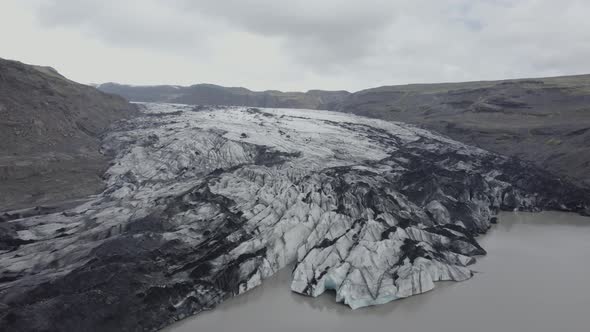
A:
208	94
204	204
49	135
545	120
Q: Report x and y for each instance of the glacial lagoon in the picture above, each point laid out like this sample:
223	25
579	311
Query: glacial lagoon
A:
535	278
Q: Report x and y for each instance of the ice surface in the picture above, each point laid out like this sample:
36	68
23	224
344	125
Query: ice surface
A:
203	203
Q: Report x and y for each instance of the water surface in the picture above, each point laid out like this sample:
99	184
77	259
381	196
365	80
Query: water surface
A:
535	278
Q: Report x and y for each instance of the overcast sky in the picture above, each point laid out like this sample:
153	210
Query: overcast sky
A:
298	45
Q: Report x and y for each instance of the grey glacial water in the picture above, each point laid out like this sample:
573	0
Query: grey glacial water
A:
535	278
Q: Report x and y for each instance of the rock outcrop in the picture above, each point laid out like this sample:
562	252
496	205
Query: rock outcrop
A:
204	204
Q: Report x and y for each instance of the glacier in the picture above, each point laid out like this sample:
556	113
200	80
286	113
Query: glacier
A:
205	202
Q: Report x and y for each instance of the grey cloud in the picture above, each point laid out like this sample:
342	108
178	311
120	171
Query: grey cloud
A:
146	23
323	33
348	44
326	32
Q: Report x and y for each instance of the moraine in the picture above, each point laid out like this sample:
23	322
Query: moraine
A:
203	204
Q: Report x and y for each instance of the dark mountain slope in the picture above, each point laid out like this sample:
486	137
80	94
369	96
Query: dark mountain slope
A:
545	120
49	135
209	94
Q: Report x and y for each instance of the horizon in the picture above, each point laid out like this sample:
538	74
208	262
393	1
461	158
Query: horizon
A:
309	45
367	88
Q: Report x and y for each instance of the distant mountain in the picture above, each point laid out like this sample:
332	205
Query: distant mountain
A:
209	94
545	120
49	135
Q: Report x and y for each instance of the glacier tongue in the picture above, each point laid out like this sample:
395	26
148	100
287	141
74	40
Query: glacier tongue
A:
205	203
